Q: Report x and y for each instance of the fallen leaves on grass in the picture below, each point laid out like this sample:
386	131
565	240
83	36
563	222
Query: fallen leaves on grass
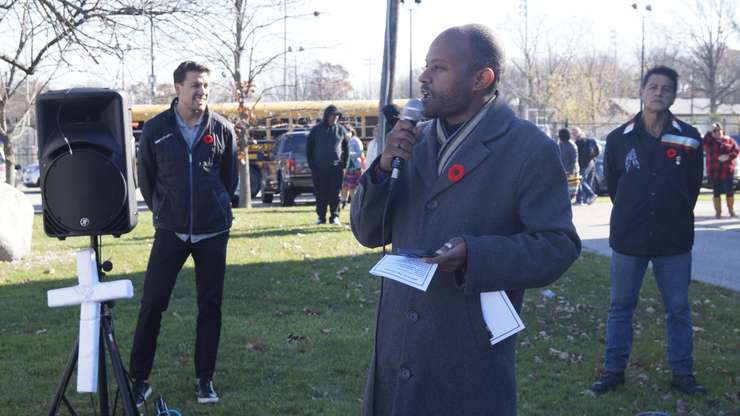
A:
566	356
251	345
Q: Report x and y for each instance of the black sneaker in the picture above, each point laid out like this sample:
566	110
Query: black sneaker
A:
205	392
141	390
688	385
607	382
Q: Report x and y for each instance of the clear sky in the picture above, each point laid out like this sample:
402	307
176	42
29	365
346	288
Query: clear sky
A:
351	32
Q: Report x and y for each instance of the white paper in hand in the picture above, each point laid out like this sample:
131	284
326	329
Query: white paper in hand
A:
500	316
411	271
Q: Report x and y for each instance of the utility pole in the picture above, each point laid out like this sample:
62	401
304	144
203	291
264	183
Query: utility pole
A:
411	55
285	50
152	78
648	8
389	66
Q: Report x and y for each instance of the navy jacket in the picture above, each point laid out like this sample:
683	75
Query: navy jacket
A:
187	188
654	184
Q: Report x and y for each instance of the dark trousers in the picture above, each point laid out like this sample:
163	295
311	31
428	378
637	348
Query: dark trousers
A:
165	261
327	185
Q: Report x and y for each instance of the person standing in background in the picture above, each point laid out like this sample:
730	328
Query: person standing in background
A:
653	167
327	153
721	151
588	149
355	166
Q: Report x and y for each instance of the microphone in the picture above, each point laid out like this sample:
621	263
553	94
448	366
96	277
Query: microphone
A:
412	112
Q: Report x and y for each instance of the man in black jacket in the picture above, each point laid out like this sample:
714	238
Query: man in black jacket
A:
327	152
187	173
653	167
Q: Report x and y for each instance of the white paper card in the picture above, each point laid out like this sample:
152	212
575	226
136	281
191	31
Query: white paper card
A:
411	271
500	316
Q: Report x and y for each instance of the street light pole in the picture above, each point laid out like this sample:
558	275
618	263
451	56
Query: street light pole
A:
152	78
285	50
411	55
648	8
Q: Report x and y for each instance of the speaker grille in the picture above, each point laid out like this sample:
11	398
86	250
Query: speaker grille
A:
84	193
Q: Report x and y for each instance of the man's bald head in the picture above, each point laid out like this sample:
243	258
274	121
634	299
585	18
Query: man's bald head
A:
480	48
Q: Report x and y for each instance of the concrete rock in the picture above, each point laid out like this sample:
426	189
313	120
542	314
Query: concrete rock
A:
16	223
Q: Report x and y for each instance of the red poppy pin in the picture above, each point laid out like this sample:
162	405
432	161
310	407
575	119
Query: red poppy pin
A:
207	139
671	153
455	172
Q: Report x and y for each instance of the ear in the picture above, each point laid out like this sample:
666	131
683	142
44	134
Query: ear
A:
484	79
177	88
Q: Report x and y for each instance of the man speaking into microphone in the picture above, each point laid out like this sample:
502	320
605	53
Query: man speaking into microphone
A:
483	192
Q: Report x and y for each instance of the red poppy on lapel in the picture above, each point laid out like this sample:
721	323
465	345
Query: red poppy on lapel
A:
671	153
207	139
455	172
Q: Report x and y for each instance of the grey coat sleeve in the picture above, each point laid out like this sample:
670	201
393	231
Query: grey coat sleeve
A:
147	166
548	243
366	212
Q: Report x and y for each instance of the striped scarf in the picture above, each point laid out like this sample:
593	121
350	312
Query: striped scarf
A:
449	145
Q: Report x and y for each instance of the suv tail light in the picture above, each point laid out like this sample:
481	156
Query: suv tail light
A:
291	163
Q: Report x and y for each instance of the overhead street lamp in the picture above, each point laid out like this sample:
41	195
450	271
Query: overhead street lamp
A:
295	70
648	9
285	44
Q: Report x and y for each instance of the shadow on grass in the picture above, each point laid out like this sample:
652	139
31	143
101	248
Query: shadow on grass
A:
296	339
281	232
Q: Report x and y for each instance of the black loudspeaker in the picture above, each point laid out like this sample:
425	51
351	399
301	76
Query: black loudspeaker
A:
86	150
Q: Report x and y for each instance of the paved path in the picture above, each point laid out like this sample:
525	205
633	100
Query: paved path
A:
716	254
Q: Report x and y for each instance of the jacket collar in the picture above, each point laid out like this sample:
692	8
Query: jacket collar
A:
495	123
631	124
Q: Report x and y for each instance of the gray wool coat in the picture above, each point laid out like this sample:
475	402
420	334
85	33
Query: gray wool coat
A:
432	355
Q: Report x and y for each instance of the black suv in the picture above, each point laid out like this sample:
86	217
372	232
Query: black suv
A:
287	171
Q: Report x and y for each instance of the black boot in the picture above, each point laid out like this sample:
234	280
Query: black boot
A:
687	384
607	382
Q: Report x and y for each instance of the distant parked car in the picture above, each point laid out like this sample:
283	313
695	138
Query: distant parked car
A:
31	175
287	172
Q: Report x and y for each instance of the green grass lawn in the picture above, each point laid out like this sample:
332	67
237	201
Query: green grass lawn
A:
299	314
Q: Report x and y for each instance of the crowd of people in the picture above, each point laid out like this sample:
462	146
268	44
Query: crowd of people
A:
482	195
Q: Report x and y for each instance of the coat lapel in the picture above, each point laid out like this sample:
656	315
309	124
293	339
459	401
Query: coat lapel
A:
475	149
425	156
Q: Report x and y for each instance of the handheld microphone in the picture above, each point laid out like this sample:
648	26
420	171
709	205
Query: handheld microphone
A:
412	112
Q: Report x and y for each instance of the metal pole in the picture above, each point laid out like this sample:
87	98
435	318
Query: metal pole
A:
152	79
411	55
285	50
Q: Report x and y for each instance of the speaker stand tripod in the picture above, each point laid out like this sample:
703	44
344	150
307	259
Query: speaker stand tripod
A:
107	341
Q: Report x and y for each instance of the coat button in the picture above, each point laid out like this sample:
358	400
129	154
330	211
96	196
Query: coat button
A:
652	193
412	316
432	205
405	373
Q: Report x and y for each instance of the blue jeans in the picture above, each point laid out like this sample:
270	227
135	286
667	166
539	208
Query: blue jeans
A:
585	192
672	275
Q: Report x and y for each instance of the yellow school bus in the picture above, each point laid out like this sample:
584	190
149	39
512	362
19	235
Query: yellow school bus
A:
268	120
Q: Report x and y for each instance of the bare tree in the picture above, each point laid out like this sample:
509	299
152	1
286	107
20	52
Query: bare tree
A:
42	36
240	31
715	70
328	82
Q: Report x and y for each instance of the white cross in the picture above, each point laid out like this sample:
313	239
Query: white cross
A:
89	294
